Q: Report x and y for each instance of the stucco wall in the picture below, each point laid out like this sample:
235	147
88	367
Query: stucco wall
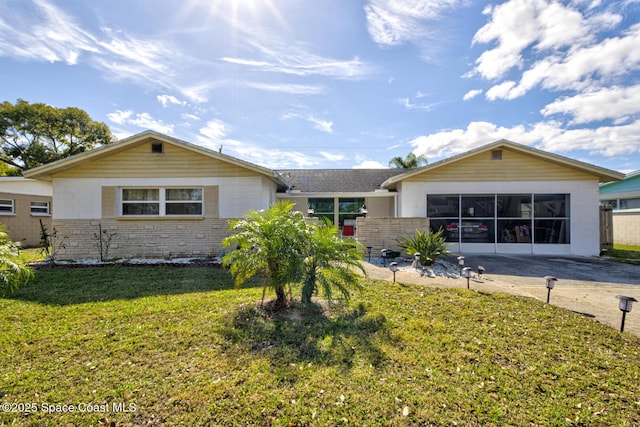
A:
382	233
81	198
626	227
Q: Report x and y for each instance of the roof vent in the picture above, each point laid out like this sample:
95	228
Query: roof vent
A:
496	155
156	148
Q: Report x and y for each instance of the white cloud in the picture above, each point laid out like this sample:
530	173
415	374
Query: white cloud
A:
214	130
293	88
370	164
165	100
551	136
610	103
472	94
45	34
394	22
141	120
321	125
409	105
331	156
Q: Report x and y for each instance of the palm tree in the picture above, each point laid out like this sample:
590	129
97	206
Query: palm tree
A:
13	270
410	162
331	264
271	242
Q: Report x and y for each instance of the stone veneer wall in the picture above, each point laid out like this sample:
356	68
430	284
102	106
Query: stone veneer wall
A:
382	233
626	227
142	238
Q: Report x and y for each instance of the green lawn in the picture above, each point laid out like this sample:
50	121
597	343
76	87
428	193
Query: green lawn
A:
625	253
181	346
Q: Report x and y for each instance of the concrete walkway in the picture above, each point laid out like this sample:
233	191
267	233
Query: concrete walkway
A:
585	285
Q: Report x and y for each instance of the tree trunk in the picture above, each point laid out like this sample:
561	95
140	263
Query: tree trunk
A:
281	297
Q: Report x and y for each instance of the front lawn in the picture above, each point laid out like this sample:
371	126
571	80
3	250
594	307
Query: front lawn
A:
181	346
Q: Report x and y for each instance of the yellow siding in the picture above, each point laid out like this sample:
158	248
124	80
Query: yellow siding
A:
514	166
139	162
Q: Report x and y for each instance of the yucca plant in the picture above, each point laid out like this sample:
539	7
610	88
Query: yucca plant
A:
430	245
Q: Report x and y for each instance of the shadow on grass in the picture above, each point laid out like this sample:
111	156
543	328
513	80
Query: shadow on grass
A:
66	286
308	335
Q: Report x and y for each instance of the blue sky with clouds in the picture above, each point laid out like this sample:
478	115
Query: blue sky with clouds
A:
335	83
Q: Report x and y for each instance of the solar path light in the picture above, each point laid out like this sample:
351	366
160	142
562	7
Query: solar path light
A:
416	261
480	271
466	272
461	263
625	306
383	254
369	252
551	281
394	267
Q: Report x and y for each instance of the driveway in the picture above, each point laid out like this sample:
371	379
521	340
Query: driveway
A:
585	285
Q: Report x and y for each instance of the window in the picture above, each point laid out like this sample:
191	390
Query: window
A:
157	148
161	201
39	208
496	155
501	218
322	208
6	207
349	209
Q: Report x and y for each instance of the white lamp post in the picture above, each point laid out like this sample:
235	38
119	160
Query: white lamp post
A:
466	272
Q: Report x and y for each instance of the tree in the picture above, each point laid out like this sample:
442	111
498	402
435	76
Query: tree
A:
279	244
410	162
331	264
13	271
272	242
34	134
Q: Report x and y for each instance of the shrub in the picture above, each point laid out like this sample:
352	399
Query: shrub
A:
430	245
13	271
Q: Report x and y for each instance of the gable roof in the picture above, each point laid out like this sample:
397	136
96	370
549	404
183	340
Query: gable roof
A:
603	175
337	180
45	172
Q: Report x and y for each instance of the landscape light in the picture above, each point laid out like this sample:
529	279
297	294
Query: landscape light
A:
626	303
461	263
383	254
310	210
416	258
466	272
369	252
480	271
551	281
394	267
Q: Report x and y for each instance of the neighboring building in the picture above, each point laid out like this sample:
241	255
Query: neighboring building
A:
165	197
624	197
623	194
23	204
162	197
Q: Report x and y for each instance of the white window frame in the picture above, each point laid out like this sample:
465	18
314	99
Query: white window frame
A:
45	212
162	202
11	205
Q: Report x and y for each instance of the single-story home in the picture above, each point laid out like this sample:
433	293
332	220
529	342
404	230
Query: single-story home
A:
160	196
624	197
24	203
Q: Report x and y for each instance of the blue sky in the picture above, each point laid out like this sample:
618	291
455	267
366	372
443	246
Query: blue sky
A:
337	83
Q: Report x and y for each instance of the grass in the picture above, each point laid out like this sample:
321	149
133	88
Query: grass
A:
183	347
625	253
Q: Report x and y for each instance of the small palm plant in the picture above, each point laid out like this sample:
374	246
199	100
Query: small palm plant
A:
14	272
430	245
331	264
270	243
